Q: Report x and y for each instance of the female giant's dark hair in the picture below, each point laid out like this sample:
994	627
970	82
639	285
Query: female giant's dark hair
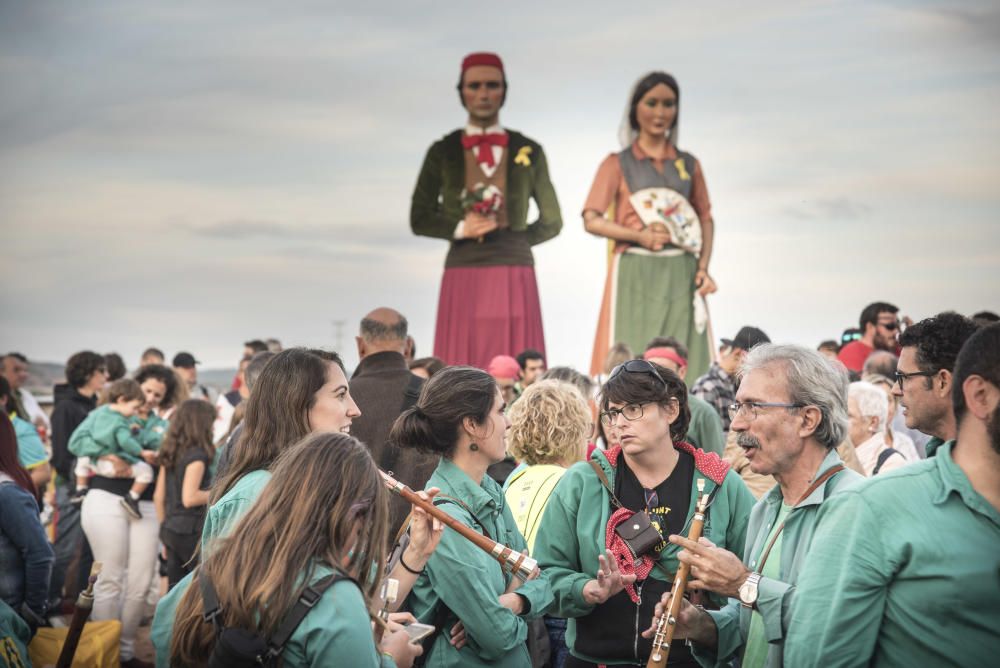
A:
277	413
325	504
646	84
450	396
630	387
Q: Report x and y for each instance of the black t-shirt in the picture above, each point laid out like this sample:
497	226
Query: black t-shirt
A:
668	504
179	519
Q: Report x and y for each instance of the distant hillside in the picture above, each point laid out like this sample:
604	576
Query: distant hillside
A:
43	375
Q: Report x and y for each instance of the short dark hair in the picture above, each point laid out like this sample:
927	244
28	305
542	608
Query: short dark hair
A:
81	366
154	351
871	312
256	365
668	342
982	317
641	388
115	366
376	330
450	396
255	345
980	356
17	356
431	364
528	354
127	389
5	391
829	344
938	340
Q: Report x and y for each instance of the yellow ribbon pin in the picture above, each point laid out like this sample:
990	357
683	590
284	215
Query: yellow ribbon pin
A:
522	156
679	164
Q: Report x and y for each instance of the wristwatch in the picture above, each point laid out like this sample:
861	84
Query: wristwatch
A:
748	590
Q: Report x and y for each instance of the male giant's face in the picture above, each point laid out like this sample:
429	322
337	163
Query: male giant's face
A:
483	92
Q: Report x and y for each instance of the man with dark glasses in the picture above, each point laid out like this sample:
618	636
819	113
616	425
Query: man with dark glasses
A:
924	374
879	329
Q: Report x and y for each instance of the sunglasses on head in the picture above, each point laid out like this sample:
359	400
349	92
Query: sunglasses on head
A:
637	366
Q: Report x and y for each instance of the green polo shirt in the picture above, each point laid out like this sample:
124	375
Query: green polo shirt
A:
774	595
904	571
465	583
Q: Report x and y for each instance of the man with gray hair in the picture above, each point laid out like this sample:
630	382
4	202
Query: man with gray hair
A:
383	387
790	414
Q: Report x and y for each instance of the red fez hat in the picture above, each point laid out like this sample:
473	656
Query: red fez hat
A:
482	58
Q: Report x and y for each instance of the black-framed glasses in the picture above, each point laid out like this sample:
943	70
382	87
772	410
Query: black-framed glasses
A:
900	376
637	366
630	411
748	409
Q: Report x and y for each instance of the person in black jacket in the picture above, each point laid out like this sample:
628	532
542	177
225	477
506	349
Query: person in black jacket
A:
86	374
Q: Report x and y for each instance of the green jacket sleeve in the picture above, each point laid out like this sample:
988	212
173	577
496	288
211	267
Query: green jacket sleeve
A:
549	217
427	215
730	638
466	579
558	552
841	593
338	628
537	592
127	442
82	443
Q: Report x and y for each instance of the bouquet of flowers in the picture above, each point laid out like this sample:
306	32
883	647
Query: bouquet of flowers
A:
485	200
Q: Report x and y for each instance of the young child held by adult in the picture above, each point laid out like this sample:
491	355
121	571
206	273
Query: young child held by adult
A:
181	495
108	430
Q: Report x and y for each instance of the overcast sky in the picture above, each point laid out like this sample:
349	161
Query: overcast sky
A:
191	175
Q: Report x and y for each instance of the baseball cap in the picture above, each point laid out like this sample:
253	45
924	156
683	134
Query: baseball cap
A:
185	360
746	338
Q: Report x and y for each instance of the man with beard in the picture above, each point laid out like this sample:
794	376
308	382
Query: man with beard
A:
926	592
879	327
924	374
790	414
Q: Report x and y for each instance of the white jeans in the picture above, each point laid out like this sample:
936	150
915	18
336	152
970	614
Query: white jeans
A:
141	471
127	549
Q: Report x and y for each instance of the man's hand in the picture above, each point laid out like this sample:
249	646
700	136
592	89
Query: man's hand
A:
691	622
609	580
458	637
477	225
712	568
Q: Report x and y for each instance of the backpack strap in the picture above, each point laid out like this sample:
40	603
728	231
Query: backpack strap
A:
883	457
210	600
308	599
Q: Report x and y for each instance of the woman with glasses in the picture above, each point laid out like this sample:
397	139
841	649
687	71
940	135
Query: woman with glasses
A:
601	577
662	230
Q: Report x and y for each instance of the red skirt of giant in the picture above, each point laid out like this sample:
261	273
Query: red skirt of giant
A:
487	311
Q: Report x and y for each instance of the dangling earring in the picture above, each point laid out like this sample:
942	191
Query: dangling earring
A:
474	447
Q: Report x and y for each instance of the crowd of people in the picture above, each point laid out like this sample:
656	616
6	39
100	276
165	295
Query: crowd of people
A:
850	492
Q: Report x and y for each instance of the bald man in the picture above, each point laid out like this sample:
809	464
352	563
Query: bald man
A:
383	387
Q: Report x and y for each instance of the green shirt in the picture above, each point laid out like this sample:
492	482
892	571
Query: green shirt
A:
223	515
705	429
152	429
574	532
774	595
904	571
105	432
469	582
755	655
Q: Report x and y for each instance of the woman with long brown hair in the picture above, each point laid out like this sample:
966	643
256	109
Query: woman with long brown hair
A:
324	512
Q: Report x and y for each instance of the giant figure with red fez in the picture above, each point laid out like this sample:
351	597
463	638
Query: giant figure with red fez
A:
473	190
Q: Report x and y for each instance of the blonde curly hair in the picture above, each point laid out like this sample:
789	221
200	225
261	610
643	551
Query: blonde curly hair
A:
550	423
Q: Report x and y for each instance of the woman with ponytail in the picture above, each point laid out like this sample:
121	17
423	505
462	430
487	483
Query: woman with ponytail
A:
460	417
323	512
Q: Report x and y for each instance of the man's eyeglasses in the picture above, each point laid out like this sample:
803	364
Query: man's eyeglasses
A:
748	409
630	411
637	366
900	376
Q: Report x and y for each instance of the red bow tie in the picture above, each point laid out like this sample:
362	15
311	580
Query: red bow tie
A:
485	143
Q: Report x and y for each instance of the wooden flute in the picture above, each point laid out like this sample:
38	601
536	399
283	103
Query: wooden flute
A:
521	565
667	623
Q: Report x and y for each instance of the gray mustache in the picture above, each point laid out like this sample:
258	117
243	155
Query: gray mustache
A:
745	440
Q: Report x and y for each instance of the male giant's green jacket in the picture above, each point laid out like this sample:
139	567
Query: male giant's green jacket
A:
436	208
572	535
774	597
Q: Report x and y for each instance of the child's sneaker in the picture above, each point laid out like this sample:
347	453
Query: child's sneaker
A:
76	498
131	506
